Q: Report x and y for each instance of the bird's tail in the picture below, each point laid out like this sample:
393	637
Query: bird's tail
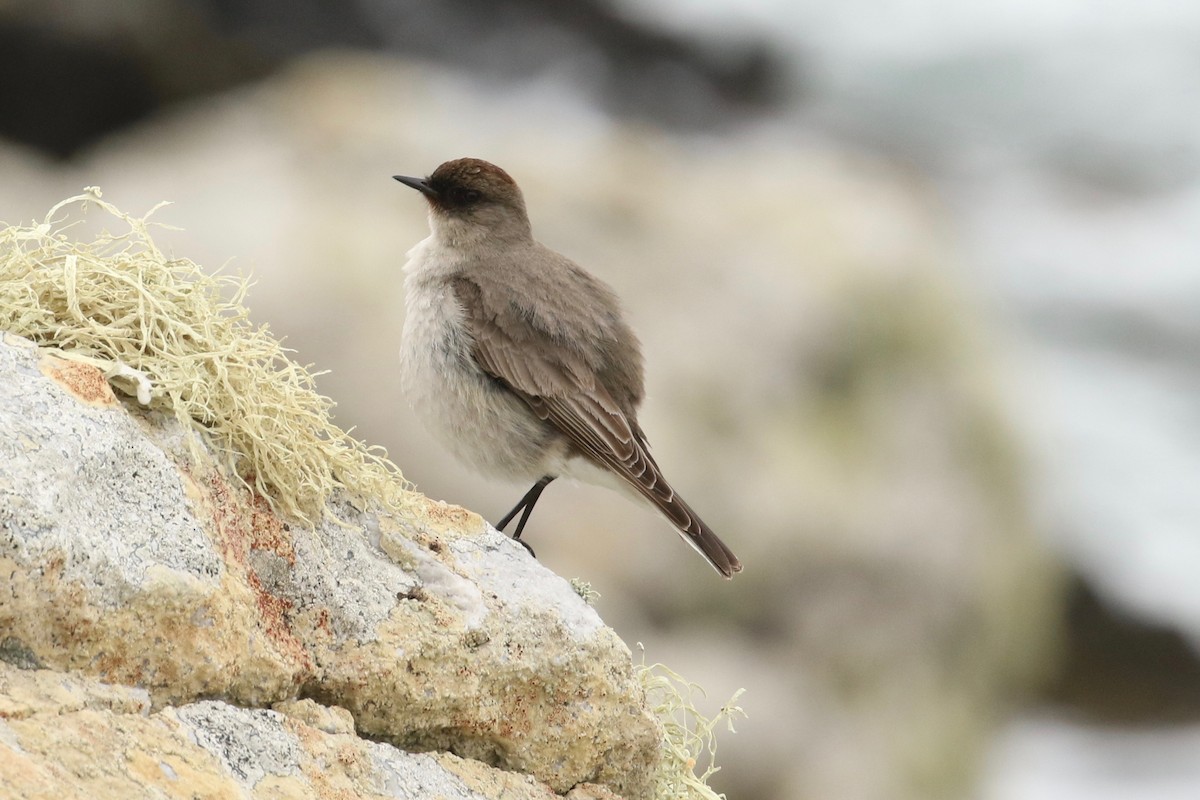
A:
692	529
638	471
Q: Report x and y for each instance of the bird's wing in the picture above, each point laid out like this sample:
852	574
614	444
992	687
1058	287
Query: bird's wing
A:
559	383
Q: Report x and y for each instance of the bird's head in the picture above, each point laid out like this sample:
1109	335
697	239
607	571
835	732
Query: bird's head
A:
473	192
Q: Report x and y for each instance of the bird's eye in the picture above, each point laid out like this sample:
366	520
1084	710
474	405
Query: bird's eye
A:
464	197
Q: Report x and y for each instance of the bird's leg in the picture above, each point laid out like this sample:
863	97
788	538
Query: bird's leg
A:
526	508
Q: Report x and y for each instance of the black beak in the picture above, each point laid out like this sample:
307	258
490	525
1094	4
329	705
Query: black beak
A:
417	183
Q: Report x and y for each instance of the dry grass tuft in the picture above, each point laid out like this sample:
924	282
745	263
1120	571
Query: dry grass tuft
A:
182	342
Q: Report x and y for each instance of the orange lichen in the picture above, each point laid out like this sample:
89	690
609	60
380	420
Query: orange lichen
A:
84	382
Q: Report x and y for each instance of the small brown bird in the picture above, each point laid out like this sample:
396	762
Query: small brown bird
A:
519	360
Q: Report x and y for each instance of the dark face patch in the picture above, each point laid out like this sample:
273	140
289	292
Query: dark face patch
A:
453	195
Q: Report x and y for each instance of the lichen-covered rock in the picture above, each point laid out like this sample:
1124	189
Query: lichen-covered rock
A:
128	559
74	737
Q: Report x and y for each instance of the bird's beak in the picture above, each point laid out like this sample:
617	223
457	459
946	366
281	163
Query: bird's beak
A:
417	183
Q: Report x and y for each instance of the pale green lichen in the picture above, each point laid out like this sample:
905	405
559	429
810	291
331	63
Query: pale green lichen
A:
688	735
182	341
585	591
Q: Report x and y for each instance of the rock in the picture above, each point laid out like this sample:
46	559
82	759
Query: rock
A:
330	719
128	560
76	737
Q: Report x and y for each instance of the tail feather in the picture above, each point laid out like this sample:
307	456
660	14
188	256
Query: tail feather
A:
695	532
642	473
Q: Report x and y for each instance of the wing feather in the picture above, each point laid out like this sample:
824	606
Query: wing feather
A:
556	376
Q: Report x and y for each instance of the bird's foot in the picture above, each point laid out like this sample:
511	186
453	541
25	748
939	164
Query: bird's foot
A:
524	544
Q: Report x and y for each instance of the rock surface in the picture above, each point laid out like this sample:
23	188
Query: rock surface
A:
127	561
75	737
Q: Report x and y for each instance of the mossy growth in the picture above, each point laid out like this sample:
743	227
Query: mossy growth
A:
688	735
182	342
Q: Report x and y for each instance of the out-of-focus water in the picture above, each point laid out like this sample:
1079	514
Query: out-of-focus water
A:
1050	759
1064	137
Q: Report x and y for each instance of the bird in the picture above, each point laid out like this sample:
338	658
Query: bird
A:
520	361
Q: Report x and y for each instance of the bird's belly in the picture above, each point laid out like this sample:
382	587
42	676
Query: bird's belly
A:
482	423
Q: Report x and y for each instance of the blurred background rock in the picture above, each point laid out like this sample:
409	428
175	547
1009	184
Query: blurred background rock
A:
917	283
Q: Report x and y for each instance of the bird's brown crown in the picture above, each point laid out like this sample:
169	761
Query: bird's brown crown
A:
466	182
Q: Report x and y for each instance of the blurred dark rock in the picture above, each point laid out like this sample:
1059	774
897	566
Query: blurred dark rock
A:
1120	670
66	92
283	28
628	68
77	71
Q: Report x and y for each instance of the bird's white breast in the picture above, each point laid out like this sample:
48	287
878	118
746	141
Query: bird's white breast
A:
484	425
